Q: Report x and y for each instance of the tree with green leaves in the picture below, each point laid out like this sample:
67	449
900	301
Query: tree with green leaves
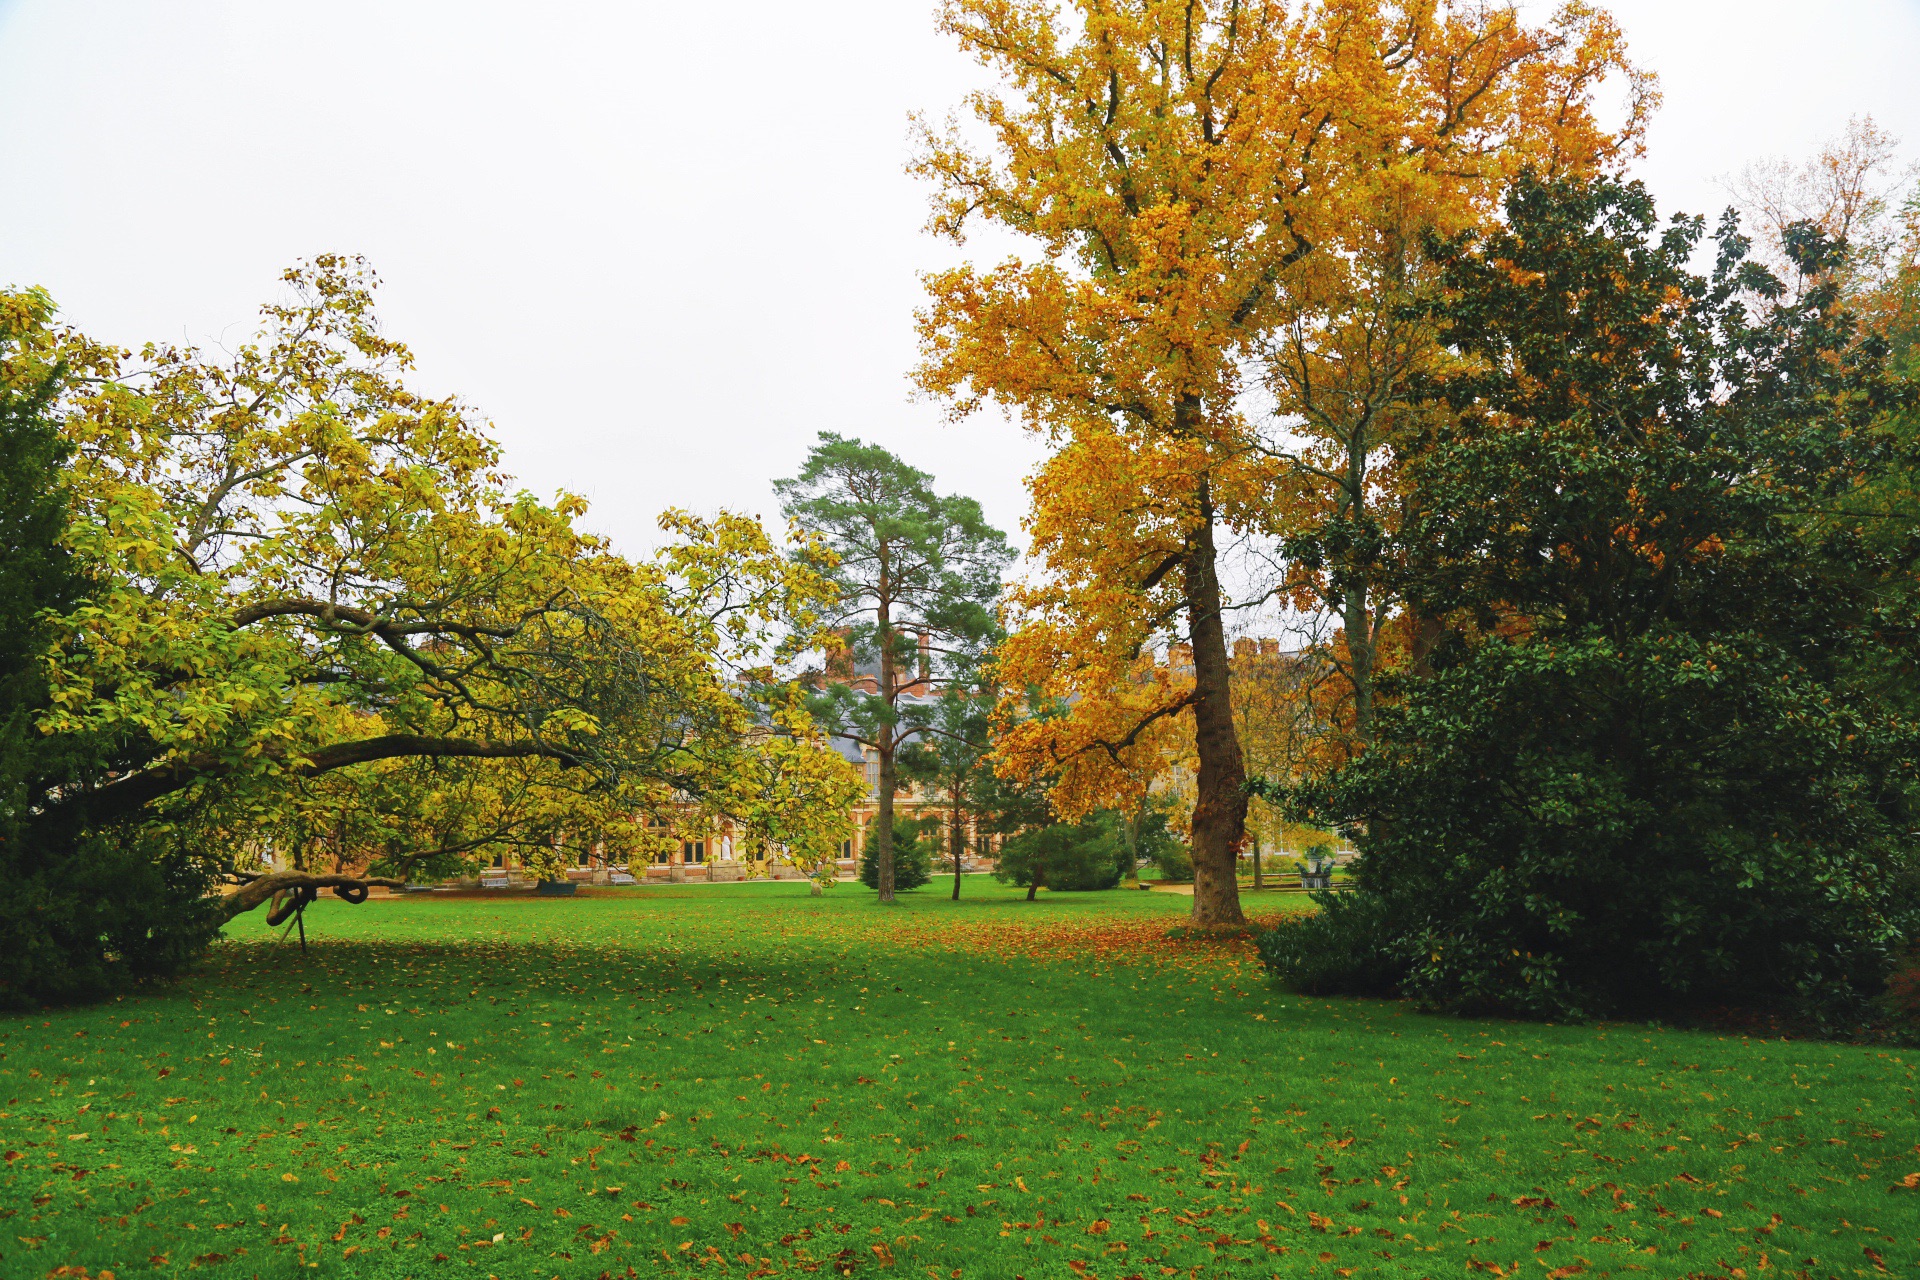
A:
919	576
325	642
1668	749
1067	857
951	757
912	855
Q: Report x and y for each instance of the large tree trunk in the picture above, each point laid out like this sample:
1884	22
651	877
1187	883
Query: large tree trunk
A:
1220	806
1423	632
1357	619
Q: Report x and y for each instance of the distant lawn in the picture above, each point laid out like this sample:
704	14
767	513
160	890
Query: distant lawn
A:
744	1080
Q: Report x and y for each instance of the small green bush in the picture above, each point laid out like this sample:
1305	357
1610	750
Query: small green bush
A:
1088	855
1344	949
1174	860
84	920
912	858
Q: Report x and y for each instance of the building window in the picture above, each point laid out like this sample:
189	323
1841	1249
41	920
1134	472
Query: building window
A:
846	848
693	850
662	857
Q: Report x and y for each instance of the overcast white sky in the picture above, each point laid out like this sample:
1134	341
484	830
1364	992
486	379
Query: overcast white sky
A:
661	245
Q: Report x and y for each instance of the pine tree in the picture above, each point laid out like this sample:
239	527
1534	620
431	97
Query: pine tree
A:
919	575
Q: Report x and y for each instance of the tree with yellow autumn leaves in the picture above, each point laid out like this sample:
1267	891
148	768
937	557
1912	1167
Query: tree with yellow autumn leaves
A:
315	610
1223	199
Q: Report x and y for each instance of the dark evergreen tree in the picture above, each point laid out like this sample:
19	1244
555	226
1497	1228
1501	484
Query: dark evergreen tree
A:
912	856
1066	857
1668	749
949	758
79	912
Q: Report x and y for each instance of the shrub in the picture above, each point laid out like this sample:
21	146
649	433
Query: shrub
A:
86	919
1076	857
1346	948
912	857
1660	822
1174	861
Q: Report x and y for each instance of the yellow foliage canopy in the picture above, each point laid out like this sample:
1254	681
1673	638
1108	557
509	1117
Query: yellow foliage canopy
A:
322	609
1199	179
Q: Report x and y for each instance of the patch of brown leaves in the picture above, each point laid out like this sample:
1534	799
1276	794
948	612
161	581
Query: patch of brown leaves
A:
1107	939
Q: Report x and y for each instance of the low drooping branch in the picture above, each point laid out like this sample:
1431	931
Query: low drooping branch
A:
356	619
262	889
120	800
394	745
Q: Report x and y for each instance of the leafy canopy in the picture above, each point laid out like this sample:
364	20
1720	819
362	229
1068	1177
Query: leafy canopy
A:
324	622
1669	746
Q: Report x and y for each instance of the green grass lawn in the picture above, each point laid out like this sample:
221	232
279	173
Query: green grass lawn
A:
745	1080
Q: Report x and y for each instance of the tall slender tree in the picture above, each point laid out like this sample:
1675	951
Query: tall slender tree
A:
952	754
919	576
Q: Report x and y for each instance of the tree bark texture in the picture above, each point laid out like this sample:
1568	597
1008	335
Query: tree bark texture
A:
1357	618
1220	803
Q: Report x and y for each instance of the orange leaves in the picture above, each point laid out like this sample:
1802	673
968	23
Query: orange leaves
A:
1248	210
